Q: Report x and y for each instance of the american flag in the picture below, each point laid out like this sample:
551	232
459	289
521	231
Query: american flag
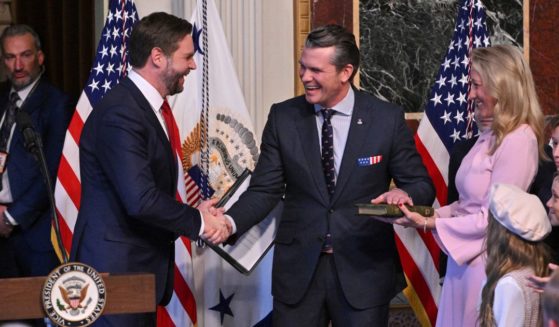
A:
109	67
448	119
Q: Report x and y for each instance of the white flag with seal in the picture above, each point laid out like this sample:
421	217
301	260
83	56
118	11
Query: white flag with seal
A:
218	143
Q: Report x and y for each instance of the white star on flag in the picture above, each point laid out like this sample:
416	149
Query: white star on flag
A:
436	99
441	81
446	117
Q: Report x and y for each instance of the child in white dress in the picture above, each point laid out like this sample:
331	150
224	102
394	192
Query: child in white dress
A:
518	223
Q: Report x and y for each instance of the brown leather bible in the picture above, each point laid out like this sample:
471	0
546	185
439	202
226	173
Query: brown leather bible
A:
390	210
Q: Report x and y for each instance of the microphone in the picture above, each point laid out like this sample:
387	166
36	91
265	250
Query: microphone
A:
33	144
31	140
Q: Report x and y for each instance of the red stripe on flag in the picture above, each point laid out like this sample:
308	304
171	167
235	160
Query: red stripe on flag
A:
185	296
432	169
432	246
191	192
75	127
190	184
417	280
193	199
163	318
191	188
69	180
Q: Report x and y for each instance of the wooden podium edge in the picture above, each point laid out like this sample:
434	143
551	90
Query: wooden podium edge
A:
130	293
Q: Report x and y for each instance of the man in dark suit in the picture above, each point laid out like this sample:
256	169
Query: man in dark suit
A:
25	215
331	265
129	217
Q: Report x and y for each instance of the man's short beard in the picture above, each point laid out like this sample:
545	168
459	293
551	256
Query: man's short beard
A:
171	79
175	87
172	82
29	81
19	85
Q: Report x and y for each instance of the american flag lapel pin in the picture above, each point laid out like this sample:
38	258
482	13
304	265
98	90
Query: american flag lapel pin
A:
369	161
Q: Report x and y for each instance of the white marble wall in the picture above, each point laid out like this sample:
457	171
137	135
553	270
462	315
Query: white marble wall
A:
403	43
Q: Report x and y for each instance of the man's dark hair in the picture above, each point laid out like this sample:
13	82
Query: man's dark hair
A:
158	30
17	30
346	51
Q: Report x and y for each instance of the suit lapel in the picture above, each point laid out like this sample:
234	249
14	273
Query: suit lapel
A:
34	100
308	135
31	105
144	105
355	140
3	102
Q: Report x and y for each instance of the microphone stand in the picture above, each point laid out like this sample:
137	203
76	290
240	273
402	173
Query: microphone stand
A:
32	142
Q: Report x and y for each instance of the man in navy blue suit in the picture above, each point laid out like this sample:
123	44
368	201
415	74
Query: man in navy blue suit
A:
129	217
25	215
325	151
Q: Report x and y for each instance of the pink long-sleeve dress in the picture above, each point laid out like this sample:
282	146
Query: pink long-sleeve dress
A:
462	227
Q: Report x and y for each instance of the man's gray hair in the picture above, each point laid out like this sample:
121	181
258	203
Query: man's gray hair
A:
17	30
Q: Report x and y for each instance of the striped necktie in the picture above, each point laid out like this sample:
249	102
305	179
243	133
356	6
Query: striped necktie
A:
6	130
9	120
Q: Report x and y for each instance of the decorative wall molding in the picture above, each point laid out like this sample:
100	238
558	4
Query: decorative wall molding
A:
302	27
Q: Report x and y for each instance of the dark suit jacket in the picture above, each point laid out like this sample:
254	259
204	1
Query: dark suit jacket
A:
129	218
50	111
364	250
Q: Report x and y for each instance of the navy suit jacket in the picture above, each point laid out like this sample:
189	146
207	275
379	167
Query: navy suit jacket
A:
50	111
129	218
364	249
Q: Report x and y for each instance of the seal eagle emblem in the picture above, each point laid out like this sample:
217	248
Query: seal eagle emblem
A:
232	148
74	294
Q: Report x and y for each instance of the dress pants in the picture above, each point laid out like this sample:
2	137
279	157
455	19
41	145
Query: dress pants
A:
324	303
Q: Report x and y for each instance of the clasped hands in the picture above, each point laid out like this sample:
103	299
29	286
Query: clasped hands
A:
217	228
410	219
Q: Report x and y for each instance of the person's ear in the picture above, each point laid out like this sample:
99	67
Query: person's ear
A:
40	57
158	58
346	72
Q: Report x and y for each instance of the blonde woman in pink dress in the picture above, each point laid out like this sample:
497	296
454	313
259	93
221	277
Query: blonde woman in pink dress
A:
507	151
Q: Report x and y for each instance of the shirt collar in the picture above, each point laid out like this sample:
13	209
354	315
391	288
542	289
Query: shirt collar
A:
344	107
24	93
150	93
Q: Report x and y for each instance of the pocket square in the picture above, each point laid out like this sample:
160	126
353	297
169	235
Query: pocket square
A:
369	161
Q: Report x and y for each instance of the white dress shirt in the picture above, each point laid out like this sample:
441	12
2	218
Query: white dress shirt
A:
341	122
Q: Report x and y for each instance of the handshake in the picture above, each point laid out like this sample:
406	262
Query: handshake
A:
217	228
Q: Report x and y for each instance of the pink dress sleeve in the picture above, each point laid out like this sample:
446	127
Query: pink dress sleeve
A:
515	162
447	210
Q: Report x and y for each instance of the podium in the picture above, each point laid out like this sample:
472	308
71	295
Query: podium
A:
131	293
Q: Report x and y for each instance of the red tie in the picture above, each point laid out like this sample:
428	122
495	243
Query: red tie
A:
172	129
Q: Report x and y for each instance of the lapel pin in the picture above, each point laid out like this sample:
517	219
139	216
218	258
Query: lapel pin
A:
359	121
